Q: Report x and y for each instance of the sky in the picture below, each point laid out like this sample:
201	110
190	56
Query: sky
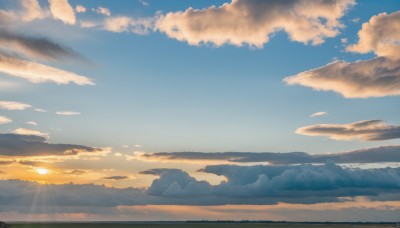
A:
192	110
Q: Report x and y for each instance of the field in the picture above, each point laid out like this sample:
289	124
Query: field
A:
196	225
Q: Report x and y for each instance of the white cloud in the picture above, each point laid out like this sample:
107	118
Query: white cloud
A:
380	35
88	24
140	26
13	105
63	11
68	113
318	114
80	9
31	123
4	120
102	10
39	110
367	130
144	3
252	22
31	10
39	73
25	131
377	77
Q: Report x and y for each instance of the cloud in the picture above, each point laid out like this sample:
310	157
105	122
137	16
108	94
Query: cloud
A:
252	22
366	130
68	113
4	120
176	183
140	26
31	10
74	172
31	123
13	105
318	114
80	9
36	47
368	155
102	10
377	77
144	3
39	73
380	35
34	145
63	11
115	178
251	185
24	131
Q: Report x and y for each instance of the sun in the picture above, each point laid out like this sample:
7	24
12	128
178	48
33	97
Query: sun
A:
42	171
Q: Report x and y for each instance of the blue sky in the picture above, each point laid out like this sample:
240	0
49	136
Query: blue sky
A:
156	93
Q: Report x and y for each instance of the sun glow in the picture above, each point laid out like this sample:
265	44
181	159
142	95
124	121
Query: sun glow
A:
42	171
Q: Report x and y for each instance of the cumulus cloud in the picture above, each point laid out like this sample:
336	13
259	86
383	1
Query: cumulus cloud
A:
39	73
380	35
176	183
140	26
318	114
367	130
252	22
67	113
35	145
63	11
102	10
4	120
13	105
80	9
377	77
368	155
252	185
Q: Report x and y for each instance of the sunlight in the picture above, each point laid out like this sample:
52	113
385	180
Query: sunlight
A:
42	171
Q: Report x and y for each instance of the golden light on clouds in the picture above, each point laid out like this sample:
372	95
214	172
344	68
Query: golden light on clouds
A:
42	171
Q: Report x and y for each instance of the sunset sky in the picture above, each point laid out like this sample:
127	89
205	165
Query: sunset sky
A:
191	110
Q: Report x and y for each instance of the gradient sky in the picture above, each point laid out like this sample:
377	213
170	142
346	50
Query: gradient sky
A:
142	99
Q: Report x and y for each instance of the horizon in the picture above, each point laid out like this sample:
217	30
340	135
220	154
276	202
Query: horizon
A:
200	110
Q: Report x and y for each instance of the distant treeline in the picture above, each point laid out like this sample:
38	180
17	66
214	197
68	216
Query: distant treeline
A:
286	222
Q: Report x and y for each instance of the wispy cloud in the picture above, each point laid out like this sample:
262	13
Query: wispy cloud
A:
115	178
377	77
140	26
39	73
252	22
25	131
31	123
369	155
13	105
316	114
102	10
144	3
33	143
367	130
68	113
5	120
36	47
